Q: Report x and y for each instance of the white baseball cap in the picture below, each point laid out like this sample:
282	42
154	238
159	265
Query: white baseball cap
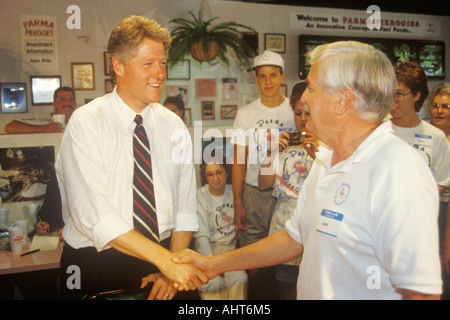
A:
268	58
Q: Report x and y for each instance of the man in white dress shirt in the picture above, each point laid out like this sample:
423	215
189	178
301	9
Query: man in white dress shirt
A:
95	174
366	220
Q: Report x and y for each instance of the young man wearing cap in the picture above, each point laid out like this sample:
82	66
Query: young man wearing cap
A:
253	208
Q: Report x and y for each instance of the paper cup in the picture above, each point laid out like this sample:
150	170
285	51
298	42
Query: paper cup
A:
16	238
24	225
61	118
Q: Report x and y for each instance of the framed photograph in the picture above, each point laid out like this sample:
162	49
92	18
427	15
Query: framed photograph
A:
208	110
229	88
33	171
275	42
13	97
228	112
109	85
188	117
107	65
205	87
178	91
180	71
42	89
83	76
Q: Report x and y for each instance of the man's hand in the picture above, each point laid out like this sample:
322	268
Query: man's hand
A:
163	288
203	263
240	217
42	227
184	276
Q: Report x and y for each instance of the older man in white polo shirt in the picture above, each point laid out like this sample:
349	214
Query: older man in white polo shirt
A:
366	221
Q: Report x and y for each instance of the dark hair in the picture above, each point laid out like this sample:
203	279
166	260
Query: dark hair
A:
297	92
413	77
60	89
177	101
224	164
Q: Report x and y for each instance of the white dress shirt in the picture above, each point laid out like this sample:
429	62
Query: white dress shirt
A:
95	172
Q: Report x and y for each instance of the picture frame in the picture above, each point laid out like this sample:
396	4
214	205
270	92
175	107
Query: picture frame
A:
229	88
13	97
208	112
43	88
180	71
180	91
275	42
109	85
83	75
228	111
188	117
107	65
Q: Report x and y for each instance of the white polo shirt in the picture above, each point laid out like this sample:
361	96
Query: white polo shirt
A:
368	224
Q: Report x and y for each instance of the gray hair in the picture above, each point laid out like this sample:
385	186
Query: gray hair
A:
442	88
361	68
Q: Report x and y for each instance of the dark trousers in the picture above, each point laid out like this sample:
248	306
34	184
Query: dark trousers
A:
104	271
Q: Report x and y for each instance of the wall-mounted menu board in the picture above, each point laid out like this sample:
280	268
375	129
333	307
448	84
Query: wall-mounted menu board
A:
430	55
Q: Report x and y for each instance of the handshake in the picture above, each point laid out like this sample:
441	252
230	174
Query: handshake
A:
186	270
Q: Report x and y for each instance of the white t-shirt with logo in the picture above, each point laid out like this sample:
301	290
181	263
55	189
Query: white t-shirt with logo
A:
216	229
250	127
432	145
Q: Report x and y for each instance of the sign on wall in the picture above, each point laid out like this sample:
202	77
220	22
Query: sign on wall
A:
356	22
39	43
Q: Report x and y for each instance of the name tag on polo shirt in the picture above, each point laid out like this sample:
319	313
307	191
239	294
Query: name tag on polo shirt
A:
329	222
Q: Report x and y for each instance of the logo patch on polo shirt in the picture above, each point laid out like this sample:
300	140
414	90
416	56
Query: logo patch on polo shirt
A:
342	193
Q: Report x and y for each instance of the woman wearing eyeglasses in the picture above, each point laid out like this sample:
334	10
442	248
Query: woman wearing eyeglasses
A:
438	106
429	141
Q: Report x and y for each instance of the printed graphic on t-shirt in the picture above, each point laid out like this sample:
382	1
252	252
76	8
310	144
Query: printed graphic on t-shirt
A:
224	219
293	170
262	141
424	144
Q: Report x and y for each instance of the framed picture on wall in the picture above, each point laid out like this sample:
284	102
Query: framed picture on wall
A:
43	88
275	42
228	112
178	91
83	76
229	88
180	71
109	85
208	110
188	117
13	97
107	65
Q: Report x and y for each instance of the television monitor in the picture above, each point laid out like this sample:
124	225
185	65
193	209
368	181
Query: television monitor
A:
13	97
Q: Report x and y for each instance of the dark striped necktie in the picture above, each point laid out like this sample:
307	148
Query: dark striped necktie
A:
144	207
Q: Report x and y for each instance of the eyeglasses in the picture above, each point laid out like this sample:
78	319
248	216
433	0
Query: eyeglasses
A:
400	96
437	106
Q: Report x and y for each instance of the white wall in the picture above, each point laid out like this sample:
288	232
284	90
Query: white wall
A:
98	17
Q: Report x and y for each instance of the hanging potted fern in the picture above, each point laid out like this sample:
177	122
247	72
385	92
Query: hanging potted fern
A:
205	41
